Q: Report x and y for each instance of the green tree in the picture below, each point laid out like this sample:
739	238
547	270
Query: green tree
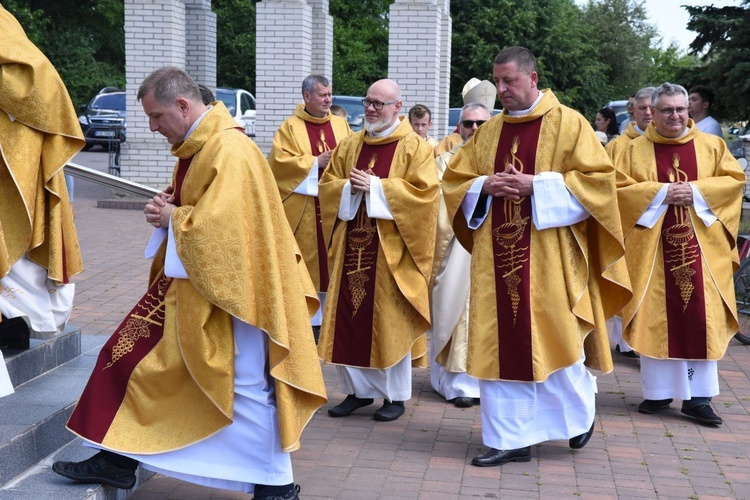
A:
723	39
360	44
235	43
554	30
84	40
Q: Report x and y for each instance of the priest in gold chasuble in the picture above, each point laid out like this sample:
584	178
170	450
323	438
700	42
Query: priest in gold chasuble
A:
213	375
532	196
39	134
379	204
680	208
642	112
449	289
301	150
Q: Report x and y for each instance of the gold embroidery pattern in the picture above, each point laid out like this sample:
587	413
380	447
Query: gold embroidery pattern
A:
10	292
358	239
322	144
509	233
138	326
679	236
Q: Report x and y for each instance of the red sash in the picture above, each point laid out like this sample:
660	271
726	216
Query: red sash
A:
511	231
321	140
683	271
136	336
352	343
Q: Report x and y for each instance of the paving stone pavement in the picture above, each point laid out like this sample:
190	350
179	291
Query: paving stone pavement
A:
427	452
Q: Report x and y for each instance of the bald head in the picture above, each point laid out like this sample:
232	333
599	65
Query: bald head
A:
382	105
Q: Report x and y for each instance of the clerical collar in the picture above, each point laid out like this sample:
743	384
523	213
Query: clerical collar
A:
523	112
686	132
638	129
318	117
195	124
386	132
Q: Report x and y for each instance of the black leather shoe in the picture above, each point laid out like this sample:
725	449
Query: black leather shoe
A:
463	402
97	469
580	441
627	354
390	410
651	406
292	494
347	406
499	457
704	414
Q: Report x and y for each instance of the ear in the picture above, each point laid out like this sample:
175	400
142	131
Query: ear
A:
306	96
184	106
534	79
398	106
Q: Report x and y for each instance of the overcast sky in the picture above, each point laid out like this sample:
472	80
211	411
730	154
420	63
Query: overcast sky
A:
671	19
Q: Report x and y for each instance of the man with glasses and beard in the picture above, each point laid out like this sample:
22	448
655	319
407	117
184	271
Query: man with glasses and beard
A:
379	207
532	197
449	290
680	210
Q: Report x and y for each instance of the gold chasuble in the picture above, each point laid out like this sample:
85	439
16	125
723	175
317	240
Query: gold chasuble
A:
619	143
298	141
683	304
538	297
39	133
165	379
378	305
449	142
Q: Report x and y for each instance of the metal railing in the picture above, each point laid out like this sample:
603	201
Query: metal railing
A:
111	181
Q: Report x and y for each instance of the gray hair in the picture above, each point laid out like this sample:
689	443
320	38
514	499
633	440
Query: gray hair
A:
474	105
521	56
308	84
669	89
645	93
169	83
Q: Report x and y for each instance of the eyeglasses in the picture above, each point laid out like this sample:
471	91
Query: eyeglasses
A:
470	123
666	112
376	104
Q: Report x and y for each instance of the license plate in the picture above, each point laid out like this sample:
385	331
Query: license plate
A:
104	133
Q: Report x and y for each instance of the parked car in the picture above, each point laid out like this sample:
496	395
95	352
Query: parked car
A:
354	110
103	118
241	105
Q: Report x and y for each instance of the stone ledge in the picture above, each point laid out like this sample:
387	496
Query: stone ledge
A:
123	204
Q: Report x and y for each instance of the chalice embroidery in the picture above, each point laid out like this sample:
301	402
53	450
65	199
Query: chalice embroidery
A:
137	326
509	233
683	251
358	240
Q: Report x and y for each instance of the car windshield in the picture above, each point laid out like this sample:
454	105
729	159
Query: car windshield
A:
109	101
352	105
228	98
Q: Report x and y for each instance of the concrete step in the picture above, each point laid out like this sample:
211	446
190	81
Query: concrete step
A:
43	356
40	483
32	421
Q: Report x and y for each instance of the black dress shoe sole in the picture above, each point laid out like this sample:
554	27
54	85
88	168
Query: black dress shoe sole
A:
463	402
501	461
653	410
125	483
389	412
578	442
338	411
712	422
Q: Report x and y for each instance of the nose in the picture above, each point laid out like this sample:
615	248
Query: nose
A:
501	87
152	125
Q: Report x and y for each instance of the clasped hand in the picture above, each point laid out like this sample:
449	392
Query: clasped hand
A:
679	193
511	184
360	180
159	208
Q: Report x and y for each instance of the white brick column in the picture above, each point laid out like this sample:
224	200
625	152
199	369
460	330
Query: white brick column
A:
154	37
440	120
322	38
201	42
417	67
283	44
